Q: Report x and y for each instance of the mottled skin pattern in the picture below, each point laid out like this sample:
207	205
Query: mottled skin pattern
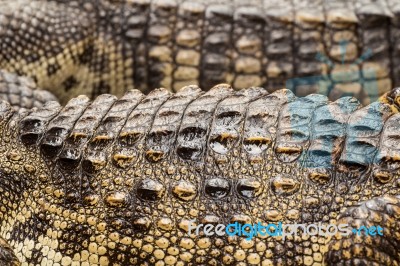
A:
103	46
116	181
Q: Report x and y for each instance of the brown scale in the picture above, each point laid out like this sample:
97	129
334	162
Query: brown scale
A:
131	137
363	134
166	123
118	221
327	137
109	128
278	43
248	57
195	123
187	44
251	187
374	21
14	186
186	170
96	155
308	43
33	127
56	131
61	125
292	140
71	153
386	162
224	141
166	227
259	134
136	26
153	188
228	123
124	217
216	53
80	185
160	41
16	182
340	25
109	44
70	156
388	155
284	173
261	124
342	51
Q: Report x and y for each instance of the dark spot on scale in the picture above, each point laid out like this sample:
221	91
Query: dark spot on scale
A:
52	69
87	55
69	83
34	78
19	72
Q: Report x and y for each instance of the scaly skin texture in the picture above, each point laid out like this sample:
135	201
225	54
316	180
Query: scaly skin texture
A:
21	92
116	181
102	46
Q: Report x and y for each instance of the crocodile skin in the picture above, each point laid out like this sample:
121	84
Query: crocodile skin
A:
103	46
117	181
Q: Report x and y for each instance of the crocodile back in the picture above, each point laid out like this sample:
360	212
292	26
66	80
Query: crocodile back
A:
123	180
